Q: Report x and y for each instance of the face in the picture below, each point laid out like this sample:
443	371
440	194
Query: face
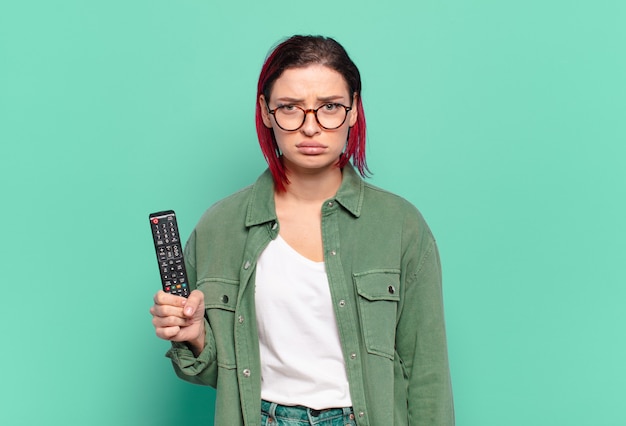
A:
311	148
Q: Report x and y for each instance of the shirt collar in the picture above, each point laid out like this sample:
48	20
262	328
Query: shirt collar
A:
261	208
350	193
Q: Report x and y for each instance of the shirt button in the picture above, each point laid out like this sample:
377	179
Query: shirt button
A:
361	413
342	303
330	204
240	319
353	355
391	289
246	372
224	299
246	265
274	225
333	253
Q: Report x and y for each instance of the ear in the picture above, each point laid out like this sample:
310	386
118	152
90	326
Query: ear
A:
354	113
265	112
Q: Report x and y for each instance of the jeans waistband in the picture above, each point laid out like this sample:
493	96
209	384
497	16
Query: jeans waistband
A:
299	412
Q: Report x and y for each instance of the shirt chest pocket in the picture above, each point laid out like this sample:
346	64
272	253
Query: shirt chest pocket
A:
220	301
378	305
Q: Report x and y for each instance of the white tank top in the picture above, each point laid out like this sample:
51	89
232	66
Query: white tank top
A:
301	358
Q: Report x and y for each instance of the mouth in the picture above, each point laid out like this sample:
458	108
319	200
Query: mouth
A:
311	148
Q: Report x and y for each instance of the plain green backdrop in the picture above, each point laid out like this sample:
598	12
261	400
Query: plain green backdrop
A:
503	121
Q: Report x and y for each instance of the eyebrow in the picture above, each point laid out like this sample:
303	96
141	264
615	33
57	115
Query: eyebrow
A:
320	99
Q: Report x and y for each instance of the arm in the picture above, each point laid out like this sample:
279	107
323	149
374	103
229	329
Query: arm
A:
182	322
421	338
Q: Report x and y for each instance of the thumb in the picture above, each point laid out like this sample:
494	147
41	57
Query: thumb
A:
194	301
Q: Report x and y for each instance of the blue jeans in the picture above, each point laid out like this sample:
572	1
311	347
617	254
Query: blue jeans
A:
280	415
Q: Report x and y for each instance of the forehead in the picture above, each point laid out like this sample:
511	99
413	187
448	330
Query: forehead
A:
311	81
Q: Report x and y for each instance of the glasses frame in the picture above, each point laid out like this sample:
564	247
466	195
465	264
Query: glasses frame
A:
307	111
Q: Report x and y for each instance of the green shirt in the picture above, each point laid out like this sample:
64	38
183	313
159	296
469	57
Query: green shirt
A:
385	282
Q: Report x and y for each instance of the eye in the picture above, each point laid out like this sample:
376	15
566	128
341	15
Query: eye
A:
331	107
288	109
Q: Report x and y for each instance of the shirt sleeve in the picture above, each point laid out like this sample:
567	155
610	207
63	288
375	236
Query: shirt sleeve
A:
203	368
420	335
200	370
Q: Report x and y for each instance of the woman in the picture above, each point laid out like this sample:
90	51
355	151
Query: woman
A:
322	293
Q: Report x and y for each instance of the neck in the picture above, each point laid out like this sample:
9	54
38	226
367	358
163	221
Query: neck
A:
313	187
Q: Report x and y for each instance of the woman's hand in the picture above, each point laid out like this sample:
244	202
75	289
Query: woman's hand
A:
180	319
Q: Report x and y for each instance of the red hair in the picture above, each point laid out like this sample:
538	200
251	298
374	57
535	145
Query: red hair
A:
301	51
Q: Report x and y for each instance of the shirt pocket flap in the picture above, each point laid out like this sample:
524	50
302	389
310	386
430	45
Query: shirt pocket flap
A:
220	294
378	286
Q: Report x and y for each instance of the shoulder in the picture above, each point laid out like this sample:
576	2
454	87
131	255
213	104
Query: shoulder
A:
376	193
225	216
224	221
397	215
252	204
378	199
234	203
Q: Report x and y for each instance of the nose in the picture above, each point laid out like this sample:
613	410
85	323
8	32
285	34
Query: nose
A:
310	126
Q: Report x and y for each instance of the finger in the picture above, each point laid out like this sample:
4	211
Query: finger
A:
163	298
167	333
166	311
169	321
194	302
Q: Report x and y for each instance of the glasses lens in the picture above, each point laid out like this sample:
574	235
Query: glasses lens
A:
289	117
331	116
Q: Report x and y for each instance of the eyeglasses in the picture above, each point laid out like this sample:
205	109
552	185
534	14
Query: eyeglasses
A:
329	116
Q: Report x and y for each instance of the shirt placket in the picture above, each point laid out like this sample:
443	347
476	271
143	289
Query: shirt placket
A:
343	305
246	335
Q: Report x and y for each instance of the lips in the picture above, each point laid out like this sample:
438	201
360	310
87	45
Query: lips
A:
310	145
311	148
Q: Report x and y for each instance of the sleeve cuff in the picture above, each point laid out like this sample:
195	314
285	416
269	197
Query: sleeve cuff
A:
183	358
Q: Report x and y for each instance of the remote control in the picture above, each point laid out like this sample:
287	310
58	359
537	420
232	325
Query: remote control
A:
169	253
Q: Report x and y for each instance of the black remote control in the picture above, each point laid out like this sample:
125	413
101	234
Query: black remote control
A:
169	252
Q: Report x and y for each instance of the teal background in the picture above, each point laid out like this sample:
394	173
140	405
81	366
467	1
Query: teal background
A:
503	121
